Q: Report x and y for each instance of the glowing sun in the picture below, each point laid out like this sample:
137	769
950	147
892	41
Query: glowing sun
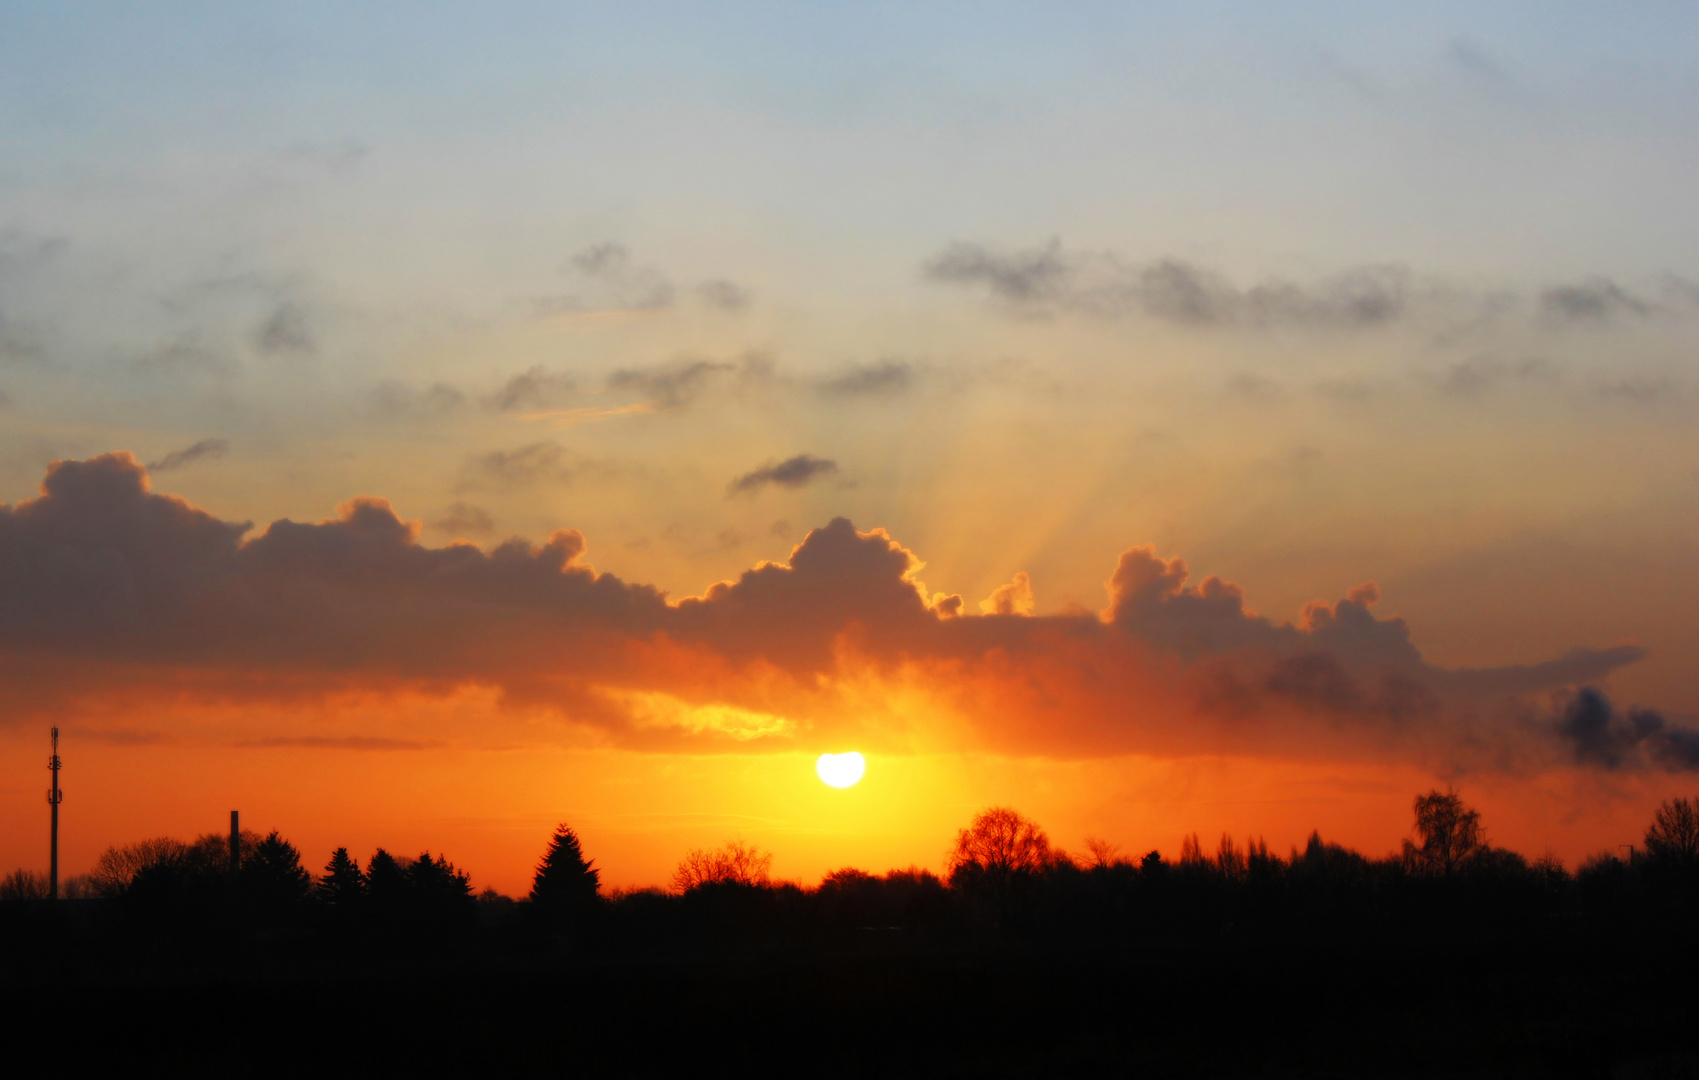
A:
841	770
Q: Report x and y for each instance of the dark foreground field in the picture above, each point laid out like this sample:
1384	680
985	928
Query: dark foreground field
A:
880	1007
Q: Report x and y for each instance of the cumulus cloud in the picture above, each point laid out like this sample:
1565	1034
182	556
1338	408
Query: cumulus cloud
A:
793	472
206	449
1014	598
112	595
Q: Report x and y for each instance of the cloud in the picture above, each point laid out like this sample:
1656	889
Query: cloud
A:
119	606
1603	737
795	472
463	519
525	466
1015	598
1479	374
532	389
395	398
672	386
725	295
285	331
886	379
206	449
608	280
184	356
1593	300
1048	280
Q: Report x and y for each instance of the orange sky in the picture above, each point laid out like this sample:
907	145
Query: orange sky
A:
1157	420
349	684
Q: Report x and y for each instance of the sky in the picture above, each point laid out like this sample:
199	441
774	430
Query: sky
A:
423	424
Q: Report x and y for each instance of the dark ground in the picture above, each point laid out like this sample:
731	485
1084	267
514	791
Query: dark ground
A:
879	1007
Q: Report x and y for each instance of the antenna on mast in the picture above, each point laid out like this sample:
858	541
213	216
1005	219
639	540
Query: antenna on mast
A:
54	798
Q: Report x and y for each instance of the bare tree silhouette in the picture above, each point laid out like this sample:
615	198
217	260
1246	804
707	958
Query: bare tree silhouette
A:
995	854
735	864
1672	840
1450	833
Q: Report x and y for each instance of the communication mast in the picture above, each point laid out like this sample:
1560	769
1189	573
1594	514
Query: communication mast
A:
54	798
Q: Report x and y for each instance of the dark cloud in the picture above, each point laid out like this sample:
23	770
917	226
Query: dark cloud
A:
1595	300
1048	280
118	603
672	386
722	294
1604	737
463	519
888	378
791	473
533	389
285	331
206	449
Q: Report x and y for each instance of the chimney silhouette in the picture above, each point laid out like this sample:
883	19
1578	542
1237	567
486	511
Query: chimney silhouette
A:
235	842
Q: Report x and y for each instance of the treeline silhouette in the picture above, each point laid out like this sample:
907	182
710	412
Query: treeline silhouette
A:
1004	882
1450	957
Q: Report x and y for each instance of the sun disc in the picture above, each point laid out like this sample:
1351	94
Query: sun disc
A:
841	770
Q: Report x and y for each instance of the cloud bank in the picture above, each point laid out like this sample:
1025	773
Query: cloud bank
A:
115	600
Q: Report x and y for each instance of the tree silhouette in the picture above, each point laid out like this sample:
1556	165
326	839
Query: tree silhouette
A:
386	881
995	854
1672	840
273	879
343	885
1450	833
566	887
735	864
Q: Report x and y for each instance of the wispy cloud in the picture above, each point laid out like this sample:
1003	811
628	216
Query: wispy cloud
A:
205	450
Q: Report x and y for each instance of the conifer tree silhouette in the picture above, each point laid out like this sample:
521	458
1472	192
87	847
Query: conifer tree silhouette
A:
566	887
343	885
